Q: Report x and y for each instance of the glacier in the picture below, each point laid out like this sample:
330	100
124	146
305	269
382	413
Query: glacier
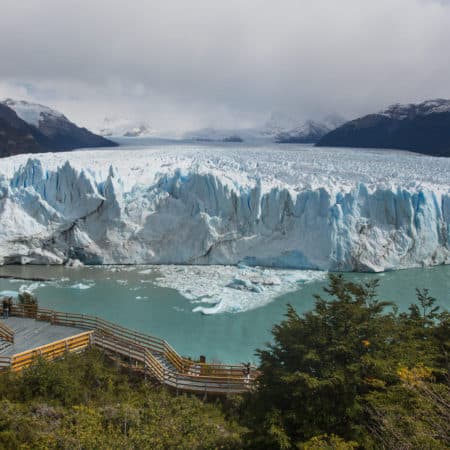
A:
297	207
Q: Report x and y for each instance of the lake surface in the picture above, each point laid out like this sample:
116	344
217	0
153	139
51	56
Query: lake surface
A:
141	298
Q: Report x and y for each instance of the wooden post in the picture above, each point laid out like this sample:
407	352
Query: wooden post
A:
145	366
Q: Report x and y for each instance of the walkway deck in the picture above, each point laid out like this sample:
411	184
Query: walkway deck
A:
31	333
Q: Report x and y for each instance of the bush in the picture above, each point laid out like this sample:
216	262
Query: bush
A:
86	401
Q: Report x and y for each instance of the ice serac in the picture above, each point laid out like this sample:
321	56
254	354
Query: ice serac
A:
51	214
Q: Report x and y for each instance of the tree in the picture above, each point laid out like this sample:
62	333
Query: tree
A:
30	303
27	298
325	369
425	311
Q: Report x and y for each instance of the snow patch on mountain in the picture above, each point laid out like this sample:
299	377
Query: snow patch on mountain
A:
32	113
285	129
307	132
299	208
114	126
400	111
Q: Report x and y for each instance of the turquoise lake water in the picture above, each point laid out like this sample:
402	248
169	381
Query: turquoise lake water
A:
125	296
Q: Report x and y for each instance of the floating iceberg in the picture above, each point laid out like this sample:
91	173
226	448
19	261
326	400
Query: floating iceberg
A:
218	289
242	284
81	286
327	209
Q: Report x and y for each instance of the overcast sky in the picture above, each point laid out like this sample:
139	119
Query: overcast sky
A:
184	64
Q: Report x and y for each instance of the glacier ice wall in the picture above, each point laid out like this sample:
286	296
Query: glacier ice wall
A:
199	217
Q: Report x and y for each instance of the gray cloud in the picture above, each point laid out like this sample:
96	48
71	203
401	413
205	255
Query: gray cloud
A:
229	63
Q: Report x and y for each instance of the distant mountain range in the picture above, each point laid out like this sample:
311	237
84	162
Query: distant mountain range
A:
422	128
31	128
309	132
223	135
280	128
123	127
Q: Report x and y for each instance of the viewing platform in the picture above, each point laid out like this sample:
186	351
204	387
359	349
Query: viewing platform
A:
32	332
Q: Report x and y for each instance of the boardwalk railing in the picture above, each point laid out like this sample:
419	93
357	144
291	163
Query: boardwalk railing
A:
154	356
6	333
5	362
51	351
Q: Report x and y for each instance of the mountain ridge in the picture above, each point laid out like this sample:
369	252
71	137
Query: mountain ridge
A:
421	128
30	128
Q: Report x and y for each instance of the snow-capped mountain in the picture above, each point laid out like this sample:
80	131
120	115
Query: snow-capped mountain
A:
279	122
280	128
16	136
33	113
308	132
52	130
411	110
121	127
422	127
289	129
361	211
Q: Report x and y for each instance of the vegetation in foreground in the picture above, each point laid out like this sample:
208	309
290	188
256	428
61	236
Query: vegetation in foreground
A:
352	373
355	373
87	401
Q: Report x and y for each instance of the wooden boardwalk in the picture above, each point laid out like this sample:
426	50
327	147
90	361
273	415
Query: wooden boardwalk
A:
34	332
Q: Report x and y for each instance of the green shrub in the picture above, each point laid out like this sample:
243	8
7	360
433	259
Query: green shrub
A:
87	401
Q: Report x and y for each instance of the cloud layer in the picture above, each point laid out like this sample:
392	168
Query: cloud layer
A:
227	63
